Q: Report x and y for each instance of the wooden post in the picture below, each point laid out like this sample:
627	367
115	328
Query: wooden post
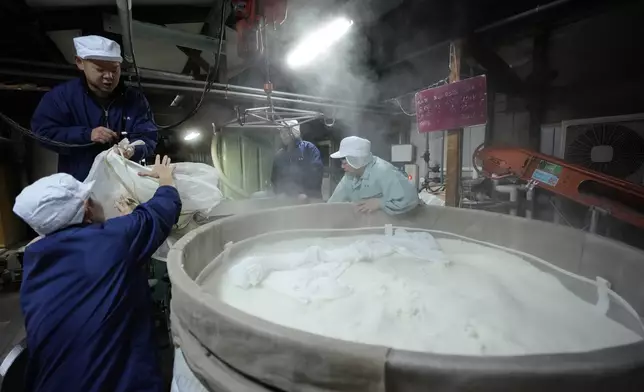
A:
454	141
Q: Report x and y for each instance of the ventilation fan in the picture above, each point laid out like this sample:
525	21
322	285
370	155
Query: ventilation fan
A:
609	145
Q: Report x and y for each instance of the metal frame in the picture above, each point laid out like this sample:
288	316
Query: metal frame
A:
9	360
112	24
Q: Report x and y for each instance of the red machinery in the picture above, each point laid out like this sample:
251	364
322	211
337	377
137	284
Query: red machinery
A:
622	199
251	15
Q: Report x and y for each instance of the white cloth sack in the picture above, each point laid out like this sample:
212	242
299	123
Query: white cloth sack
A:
115	176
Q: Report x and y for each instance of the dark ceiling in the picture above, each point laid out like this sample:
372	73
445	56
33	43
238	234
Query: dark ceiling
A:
399	33
404	30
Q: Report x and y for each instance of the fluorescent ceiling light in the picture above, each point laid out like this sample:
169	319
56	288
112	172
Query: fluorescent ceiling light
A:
192	135
317	42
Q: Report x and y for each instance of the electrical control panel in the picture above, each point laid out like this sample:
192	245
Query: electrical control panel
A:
402	153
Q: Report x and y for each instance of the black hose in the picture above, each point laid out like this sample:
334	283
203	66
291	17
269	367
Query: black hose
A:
209	77
29	133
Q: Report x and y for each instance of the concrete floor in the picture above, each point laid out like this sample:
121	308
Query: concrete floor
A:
12	329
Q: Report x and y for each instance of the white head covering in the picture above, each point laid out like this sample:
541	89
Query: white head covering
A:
53	203
94	47
356	150
294	126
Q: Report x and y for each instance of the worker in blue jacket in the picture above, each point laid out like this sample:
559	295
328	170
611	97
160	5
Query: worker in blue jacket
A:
85	294
95	110
297	166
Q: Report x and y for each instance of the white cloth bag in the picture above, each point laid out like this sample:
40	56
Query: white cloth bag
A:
115	177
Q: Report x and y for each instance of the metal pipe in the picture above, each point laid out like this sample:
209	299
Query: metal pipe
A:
125	13
522	15
594	220
171	76
499	23
513	191
257	97
595	215
529	196
224	93
145	72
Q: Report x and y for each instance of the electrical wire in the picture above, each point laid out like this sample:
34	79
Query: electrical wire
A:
402	109
210	80
397	99
29	133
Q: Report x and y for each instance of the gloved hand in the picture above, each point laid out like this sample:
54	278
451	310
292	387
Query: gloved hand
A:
368	205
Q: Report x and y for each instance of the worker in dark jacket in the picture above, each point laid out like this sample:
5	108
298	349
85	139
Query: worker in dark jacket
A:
94	109
297	167
85	294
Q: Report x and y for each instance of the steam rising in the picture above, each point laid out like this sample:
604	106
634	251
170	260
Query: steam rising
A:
341	71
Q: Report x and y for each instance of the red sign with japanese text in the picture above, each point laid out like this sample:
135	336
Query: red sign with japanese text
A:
454	105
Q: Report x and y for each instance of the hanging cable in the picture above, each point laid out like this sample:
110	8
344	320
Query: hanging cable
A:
402	109
397	99
210	79
29	133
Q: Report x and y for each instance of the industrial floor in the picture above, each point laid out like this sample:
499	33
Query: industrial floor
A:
12	329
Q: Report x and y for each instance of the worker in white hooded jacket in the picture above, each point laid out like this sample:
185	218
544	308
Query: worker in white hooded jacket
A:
370	182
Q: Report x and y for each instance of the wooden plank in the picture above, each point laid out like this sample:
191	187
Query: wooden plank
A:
454	139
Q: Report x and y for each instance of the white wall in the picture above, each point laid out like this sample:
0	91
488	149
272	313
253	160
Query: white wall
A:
472	138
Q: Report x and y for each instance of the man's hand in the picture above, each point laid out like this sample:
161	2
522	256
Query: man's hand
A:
369	205
128	153
161	170
125	205
103	135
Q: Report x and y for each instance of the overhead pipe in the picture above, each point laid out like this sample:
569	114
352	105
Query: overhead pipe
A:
125	13
186	79
494	25
145	72
214	91
263	98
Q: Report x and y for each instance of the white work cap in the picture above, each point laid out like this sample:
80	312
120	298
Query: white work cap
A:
353	146
94	47
294	127
53	203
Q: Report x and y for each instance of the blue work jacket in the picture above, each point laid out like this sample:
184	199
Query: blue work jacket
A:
69	112
87	304
298	171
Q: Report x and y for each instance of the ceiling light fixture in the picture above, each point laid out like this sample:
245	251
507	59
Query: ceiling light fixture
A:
318	42
192	135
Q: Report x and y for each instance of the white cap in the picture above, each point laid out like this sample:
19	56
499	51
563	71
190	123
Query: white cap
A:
353	146
94	47
53	203
294	126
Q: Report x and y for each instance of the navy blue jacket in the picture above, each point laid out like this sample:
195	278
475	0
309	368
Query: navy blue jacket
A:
298	171
87	304
68	113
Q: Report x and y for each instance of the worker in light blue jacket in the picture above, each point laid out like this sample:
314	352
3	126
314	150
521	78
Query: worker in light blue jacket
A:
95	110
370	182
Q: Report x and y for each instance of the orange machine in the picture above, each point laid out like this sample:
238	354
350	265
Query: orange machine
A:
621	199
